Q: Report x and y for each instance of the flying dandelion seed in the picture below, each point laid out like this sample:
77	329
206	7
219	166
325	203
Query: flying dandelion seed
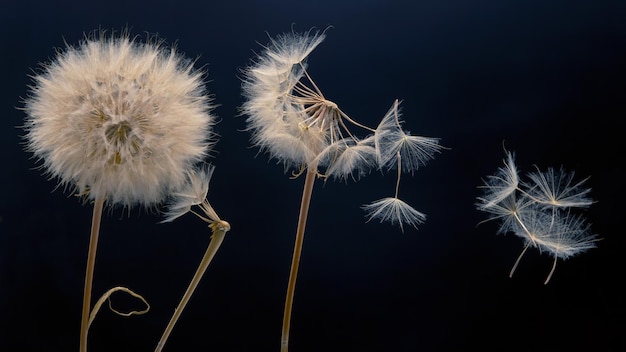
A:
539	211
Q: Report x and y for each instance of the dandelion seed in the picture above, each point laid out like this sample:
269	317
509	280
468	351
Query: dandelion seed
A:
347	158
391	140
193	193
501	185
558	189
395	211
538	211
562	235
568	235
509	211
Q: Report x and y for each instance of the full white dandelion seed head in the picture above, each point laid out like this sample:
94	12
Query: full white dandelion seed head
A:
395	211
116	118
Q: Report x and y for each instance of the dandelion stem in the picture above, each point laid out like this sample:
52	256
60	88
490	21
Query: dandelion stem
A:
219	229
295	262
91	261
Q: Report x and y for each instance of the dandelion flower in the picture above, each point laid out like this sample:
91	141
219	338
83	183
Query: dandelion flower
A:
119	121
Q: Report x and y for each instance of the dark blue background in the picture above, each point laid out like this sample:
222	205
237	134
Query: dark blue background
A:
545	77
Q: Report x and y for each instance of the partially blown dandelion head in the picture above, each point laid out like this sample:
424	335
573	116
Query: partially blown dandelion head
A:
119	119
290	118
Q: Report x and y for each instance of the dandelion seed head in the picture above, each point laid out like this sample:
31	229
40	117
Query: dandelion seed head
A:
119	119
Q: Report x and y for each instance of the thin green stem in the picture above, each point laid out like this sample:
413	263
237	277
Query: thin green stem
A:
295	262
91	261
219	229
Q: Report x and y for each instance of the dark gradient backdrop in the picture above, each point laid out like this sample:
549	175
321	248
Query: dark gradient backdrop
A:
545	77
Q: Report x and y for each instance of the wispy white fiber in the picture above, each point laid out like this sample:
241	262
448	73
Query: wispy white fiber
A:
395	211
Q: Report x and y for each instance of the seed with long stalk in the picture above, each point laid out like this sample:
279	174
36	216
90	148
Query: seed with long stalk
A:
192	195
